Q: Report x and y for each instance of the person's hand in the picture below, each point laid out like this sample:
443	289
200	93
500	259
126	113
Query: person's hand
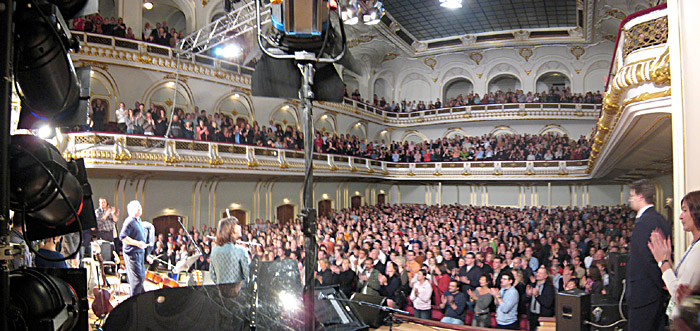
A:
532	279
495	292
382	279
142	245
660	246
682	292
149	259
528	290
415	291
443	301
471	293
450	299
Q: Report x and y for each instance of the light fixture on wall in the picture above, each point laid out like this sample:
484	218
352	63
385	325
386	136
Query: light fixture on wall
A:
452	4
374	14
148	5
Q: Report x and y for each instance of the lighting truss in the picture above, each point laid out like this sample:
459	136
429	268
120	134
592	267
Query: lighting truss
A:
238	22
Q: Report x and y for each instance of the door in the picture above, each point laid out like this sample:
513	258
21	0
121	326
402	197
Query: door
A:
380	199
356	202
324	208
285	214
237	213
165	222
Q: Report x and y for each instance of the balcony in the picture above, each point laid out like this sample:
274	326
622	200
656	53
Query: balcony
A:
104	152
138	55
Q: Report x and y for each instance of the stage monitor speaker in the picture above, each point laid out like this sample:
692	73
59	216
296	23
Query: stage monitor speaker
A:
335	315
573	309
605	311
372	316
617	269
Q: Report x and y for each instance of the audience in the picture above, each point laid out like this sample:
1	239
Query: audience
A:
427	246
554	95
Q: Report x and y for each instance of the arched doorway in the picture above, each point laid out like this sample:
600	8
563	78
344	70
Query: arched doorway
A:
381	199
324	208
285	214
167	12
456	87
356	202
556	80
237	213
504	83
165	222
383	90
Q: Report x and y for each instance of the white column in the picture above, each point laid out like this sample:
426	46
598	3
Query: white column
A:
132	13
685	82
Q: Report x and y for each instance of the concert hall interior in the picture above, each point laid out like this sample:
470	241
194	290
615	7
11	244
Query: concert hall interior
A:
349	164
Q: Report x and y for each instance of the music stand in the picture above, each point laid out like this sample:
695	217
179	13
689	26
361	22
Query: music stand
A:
184	265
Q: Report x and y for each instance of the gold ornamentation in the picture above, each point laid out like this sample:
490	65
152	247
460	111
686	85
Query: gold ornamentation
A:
169	102
365	38
610	37
650	33
204	3
577	51
526	53
527	72
479	75
390	56
430	62
578	71
661	69
476	57
616	13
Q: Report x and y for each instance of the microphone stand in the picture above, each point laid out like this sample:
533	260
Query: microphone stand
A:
390	310
188	235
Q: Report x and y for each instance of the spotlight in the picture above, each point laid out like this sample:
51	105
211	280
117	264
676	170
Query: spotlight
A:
45	132
41	302
374	14
229	51
451	4
289	302
350	12
148	5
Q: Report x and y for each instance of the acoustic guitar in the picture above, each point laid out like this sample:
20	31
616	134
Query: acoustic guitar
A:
104	298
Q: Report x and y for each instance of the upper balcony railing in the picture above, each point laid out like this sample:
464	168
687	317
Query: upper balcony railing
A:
114	48
138	153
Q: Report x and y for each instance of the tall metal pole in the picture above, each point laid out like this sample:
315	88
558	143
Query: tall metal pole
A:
308	212
6	38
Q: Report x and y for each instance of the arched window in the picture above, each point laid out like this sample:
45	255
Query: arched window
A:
504	83
550	80
456	87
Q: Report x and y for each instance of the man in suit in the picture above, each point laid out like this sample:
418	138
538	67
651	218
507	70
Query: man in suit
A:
369	279
645	293
541	296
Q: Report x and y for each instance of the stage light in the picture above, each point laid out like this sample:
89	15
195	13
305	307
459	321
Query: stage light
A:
33	190
350	12
374	14
45	132
229	51
289	302
148	5
41	302
451	4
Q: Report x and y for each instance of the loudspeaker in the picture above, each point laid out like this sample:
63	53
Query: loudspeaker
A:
605	311
336	315
573	309
617	270
372	316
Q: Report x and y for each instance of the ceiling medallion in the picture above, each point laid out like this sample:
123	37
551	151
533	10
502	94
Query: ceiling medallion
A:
577	51
430	62
476	57
526	53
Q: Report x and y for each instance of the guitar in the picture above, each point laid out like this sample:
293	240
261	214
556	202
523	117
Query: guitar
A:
103	302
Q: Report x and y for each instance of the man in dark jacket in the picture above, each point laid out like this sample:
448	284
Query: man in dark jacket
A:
646	296
541	297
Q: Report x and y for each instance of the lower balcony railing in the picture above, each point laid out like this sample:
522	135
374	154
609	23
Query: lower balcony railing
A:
137	152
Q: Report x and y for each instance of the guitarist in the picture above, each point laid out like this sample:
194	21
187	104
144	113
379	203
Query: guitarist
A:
134	239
